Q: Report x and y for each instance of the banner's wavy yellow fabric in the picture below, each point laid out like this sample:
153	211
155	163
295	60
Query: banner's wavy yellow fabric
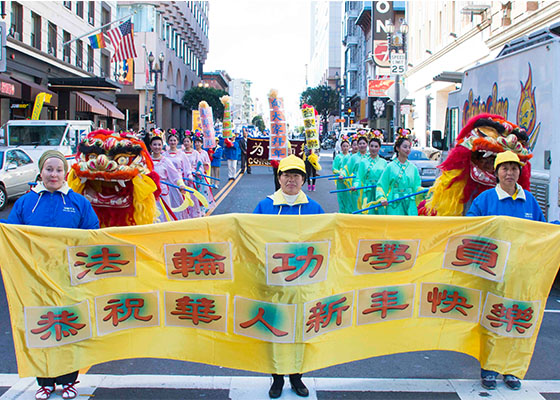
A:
278	294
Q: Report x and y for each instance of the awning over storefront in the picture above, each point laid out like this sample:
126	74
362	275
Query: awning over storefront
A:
30	90
86	103
9	87
113	111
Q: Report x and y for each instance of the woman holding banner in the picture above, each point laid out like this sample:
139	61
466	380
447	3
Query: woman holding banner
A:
289	200
204	169
344	202
507	198
181	164
52	203
353	165
399	179
369	172
193	157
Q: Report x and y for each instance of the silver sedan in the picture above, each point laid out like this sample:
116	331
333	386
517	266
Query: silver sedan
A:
17	170
427	168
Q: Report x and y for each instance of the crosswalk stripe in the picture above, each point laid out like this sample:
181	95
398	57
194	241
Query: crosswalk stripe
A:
252	387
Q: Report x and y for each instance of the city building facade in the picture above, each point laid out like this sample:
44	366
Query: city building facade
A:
242	106
217	80
175	32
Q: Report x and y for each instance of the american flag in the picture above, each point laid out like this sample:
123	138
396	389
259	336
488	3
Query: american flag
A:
122	39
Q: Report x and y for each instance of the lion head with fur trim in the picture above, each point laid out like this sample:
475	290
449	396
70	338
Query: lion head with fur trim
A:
115	173
468	170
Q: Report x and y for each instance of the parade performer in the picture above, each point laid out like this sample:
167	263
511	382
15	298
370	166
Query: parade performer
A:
507	198
369	172
115	173
182	165
204	169
468	169
353	165
289	200
169	195
399	179
339	162
231	154
217	160
193	157
312	165
354	144
52	203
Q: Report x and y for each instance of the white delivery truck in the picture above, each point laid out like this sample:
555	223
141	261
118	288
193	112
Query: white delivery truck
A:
36	136
523	85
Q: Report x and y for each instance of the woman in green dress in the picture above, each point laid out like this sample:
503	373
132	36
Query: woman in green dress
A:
369	172
399	179
353	165
339	163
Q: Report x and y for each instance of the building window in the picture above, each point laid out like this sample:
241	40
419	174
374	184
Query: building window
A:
80	9
105	18
53	43
90	59
66	49
36	31
16	27
67	4
79	53
91	12
105	66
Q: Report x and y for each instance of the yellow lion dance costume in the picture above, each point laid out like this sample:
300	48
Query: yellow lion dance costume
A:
116	174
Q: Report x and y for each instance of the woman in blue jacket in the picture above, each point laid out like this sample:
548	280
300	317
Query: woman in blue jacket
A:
52	203
289	200
507	198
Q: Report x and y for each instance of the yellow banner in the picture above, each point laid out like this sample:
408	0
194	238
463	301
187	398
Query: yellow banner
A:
278	294
38	106
196	124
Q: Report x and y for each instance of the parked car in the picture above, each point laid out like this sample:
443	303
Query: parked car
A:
17	170
427	168
387	151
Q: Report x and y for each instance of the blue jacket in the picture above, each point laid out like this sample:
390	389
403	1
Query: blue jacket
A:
276	204
217	157
231	153
61	209
497	202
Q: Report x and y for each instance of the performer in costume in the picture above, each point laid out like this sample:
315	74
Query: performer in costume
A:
353	165
217	161
204	169
399	179
468	170
344	198
182	165
168	173
369	172
193	157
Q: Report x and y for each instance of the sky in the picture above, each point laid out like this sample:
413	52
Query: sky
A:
265	42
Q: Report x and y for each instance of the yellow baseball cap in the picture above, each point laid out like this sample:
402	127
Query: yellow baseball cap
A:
291	162
506	156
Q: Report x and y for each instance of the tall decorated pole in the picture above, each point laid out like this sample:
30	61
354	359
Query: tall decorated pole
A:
278	148
226	127
310	125
207	122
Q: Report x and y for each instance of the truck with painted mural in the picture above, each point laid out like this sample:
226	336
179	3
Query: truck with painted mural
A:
36	136
521	84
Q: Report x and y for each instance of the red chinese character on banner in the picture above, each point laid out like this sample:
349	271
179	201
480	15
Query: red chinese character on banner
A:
63	323
131	307
321	318
480	252
308	258
386	254
453	301
384	301
206	262
200	310
105	266
512	316
260	318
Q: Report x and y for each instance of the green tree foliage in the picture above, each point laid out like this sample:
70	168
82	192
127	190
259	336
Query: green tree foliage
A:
259	122
195	95
325	100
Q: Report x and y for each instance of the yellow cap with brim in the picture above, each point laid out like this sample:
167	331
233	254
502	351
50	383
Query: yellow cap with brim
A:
506	156
291	162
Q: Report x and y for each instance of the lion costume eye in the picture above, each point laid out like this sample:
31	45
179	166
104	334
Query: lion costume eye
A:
122	160
92	156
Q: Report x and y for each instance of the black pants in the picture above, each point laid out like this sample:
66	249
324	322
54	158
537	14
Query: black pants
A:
310	172
61	380
244	163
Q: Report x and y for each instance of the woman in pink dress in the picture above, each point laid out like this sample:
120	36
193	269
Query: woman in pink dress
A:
179	160
167	173
205	170
193	158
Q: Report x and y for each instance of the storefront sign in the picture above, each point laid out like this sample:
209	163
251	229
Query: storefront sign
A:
379	87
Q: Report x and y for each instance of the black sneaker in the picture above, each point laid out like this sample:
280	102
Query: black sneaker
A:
512	382
488	382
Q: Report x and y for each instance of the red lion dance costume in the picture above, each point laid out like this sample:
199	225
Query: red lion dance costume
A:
116	174
469	168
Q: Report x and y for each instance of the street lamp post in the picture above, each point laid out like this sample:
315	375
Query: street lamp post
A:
397	45
157	70
340	91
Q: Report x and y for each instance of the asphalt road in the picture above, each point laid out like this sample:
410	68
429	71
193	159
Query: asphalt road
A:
407	367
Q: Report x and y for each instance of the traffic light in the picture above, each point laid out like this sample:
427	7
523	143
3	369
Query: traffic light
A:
349	110
151	115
